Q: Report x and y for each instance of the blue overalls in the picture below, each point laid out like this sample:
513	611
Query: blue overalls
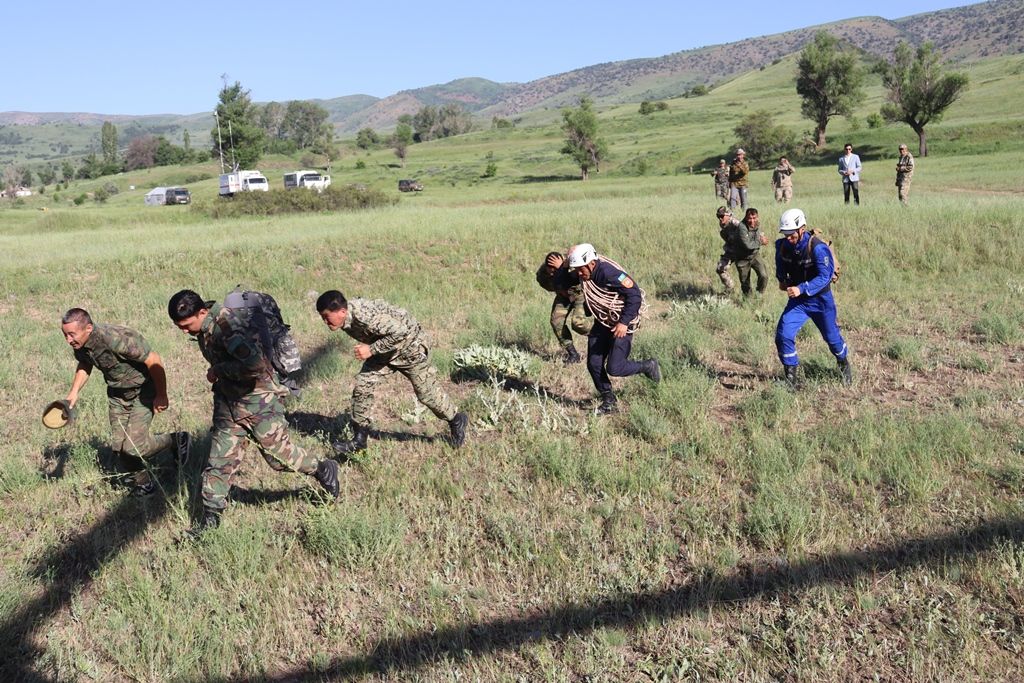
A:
607	355
810	270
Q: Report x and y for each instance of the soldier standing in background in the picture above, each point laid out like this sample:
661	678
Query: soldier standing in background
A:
904	174
782	181
721	178
568	310
738	173
247	403
390	340
136	390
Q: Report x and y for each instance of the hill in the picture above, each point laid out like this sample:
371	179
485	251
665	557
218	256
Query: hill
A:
962	33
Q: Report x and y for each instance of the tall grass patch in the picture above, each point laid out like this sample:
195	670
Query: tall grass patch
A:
353	538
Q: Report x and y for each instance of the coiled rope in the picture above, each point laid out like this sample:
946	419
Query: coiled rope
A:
607	305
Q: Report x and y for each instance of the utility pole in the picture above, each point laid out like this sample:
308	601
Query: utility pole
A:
220	142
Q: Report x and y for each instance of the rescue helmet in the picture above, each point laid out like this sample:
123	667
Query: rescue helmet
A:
791	221
581	255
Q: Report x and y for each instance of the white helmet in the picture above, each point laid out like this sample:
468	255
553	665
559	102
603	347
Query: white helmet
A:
581	255
791	221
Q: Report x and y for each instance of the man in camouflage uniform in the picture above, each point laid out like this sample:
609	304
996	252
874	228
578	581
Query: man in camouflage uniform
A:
136	389
568	311
743	242
782	181
247	402
904	174
726	225
738	179
721	178
390	340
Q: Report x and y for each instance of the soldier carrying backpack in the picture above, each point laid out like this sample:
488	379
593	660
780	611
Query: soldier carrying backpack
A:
275	336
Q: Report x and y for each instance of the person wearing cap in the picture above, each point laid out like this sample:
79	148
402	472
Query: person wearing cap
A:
247	403
743	242
738	173
782	181
617	303
136	391
568	310
804	268
904	174
849	169
721	178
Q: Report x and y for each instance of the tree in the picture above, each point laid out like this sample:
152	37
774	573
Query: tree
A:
431	122
186	141
47	175
11	181
919	91
763	140
243	139
26	177
141	153
581	141
305	124
166	153
271	120
367	138
400	141
108	142
67	170
91	167
830	82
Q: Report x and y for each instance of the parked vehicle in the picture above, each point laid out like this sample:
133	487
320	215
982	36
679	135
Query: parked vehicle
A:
311	179
410	185
156	197
243	181
177	195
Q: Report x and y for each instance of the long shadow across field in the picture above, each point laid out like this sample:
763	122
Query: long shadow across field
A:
399	657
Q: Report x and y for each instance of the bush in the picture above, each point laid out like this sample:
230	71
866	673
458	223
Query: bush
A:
482	362
491	170
277	202
101	195
875	120
360	164
80	199
197	177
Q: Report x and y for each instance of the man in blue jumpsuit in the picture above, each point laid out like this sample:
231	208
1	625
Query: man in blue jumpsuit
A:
804	268
615	301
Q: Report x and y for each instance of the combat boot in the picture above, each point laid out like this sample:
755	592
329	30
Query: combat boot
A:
651	369
327	474
791	378
355	444
572	356
607	405
458	427
209	520
846	370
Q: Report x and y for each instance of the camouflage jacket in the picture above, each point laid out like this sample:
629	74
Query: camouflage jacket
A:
232	348
561	282
738	173
740	241
120	354
782	176
385	328
721	176
905	167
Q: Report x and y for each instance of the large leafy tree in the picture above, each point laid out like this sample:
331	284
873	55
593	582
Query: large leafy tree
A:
919	91
400	141
305	124
763	139
240	133
581	140
108	142
829	80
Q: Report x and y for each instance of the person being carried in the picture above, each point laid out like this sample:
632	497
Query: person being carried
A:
247	403
136	391
617	304
568	310
804	268
390	340
743	242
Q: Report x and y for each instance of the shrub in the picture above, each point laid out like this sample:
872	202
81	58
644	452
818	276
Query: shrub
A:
277	202
875	120
360	164
481	362
80	199
101	195
491	170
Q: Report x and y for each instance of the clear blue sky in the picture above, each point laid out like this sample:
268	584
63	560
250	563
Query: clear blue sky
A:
168	57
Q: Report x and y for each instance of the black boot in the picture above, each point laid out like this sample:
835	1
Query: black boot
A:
182	448
846	370
458	426
652	370
572	356
355	444
607	405
209	520
327	474
791	379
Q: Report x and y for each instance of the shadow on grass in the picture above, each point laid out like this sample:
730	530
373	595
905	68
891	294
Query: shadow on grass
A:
313	364
685	291
334	428
400	657
517	385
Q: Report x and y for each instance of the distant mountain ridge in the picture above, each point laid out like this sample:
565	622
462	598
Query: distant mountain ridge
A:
962	33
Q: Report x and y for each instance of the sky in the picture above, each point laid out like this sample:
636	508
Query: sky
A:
170	58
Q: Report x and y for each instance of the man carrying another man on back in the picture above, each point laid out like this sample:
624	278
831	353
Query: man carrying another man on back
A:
568	311
743	242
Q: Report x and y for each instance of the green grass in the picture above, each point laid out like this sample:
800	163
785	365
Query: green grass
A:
718	527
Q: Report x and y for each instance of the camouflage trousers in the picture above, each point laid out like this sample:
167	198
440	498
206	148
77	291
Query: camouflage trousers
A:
569	315
783	194
903	190
722	191
414	363
257	417
131	414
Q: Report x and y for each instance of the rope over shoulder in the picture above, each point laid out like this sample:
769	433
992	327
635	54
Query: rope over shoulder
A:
607	306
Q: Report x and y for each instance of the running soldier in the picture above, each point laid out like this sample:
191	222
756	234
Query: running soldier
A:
721	178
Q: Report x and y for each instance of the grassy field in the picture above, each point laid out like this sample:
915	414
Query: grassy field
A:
718	528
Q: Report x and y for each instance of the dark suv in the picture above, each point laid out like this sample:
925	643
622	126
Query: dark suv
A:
410	186
177	195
